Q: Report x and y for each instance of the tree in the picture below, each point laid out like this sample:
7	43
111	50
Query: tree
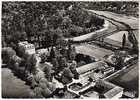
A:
4	44
133	40
119	63
66	22
63	51
73	69
7	54
71	52
43	58
67	76
38	92
62	62
21	20
123	40
46	92
52	53
48	72
55	21
48	39
119	58
55	63
31	64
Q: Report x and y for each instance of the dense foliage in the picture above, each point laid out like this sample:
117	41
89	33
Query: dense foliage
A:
122	7
42	22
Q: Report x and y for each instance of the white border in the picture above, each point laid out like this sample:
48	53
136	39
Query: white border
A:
60	0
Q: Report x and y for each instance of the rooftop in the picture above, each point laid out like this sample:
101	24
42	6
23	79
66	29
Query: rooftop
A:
103	88
107	89
91	66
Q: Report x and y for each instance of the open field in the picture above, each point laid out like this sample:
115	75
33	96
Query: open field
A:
128	80
13	87
116	39
92	50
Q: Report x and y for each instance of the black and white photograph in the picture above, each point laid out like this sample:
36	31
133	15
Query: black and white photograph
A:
70	49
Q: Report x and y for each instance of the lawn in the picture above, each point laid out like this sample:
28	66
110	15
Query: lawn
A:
129	79
13	87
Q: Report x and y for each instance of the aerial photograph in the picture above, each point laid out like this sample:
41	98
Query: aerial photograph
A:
70	49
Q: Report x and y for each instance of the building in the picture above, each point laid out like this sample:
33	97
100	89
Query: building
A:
108	70
43	51
89	74
26	48
95	70
77	87
103	89
92	66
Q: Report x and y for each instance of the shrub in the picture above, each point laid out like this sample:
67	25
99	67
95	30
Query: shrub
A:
7	54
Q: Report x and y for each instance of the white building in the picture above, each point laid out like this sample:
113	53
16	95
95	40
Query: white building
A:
26	48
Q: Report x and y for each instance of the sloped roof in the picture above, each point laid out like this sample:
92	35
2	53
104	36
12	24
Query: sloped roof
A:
90	66
113	92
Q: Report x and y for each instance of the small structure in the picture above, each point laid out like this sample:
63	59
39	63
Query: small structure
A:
77	87
108	70
26	48
42	51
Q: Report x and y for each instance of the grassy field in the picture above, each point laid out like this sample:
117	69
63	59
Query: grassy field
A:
129	80
92	50
13	87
